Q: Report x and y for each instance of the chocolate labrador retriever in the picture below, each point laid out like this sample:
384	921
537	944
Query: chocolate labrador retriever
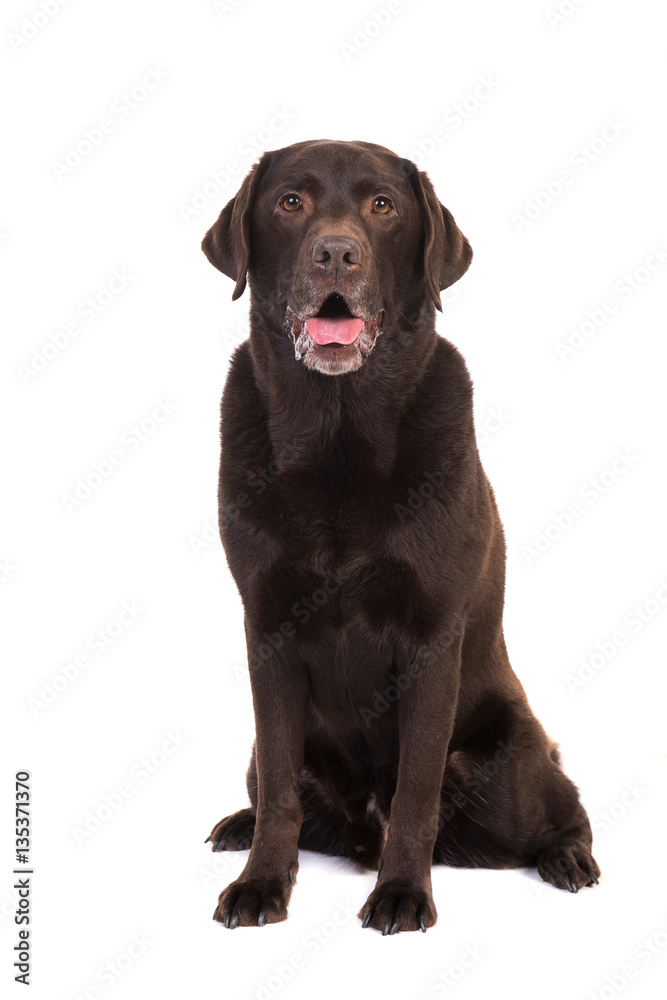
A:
365	541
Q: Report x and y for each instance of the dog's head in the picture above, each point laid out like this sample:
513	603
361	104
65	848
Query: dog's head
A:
341	241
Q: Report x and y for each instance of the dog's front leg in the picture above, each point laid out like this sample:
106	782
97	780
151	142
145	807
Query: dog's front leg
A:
280	693
402	899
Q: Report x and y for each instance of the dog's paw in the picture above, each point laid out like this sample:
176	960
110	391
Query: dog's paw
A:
394	907
253	902
234	833
568	866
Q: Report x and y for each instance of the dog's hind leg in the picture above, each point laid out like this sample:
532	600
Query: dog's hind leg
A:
565	859
506	803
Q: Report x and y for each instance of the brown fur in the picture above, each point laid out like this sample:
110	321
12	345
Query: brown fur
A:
365	541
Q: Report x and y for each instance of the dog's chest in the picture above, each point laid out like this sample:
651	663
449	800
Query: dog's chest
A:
336	514
340	574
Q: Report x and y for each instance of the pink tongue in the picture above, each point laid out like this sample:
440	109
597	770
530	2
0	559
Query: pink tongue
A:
334	331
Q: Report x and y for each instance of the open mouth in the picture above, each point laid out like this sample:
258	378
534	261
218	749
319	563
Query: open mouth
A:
334	324
334	340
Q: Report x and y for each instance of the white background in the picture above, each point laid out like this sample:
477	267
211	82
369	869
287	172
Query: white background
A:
219	76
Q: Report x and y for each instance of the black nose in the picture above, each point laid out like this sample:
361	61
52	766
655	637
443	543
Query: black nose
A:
336	254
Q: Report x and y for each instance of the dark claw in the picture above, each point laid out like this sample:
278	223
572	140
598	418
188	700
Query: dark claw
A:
385	929
290	876
367	919
233	922
219	845
394	927
422	923
261	919
207	839
242	845
573	885
215	912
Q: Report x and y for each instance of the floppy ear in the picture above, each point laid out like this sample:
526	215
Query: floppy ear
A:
447	253
227	243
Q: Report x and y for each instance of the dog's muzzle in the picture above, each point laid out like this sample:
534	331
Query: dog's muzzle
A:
333	341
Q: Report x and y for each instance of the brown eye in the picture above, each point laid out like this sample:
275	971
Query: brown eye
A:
291	203
382	205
